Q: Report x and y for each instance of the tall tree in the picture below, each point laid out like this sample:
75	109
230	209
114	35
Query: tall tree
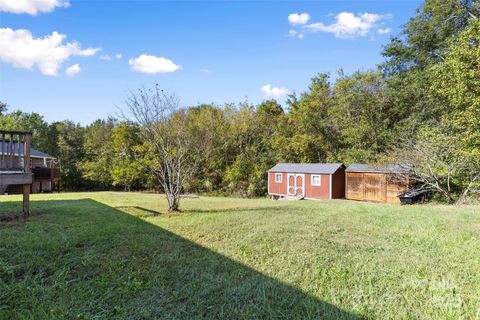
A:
422	43
253	132
165	130
127	147
70	153
457	83
33	122
213	160
362	117
309	135
423	40
3	108
97	161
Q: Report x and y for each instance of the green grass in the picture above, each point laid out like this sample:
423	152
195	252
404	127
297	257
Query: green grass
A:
106	255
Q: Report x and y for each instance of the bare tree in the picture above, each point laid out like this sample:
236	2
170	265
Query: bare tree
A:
172	147
437	164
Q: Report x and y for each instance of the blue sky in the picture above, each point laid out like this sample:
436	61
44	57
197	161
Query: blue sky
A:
220	51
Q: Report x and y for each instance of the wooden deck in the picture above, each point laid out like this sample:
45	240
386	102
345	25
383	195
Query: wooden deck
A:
15	149
7	178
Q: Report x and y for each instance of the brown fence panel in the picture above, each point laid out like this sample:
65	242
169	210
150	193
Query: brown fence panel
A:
375	187
355	186
396	184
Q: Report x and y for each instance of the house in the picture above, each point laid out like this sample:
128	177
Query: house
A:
46	172
45	168
307	180
381	183
14	152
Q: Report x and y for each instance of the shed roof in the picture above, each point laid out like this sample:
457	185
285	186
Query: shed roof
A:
321	168
33	153
392	168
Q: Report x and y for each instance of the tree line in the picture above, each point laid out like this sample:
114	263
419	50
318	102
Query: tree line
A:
420	107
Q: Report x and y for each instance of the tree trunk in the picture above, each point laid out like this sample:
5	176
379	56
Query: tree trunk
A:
173	202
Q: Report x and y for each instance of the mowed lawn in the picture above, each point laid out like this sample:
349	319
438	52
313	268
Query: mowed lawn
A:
107	255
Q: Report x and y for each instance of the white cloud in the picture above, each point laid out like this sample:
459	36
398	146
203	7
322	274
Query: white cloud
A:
295	34
151	64
88	52
274	92
105	57
298	18
384	31
205	71
73	70
32	7
347	24
20	49
118	56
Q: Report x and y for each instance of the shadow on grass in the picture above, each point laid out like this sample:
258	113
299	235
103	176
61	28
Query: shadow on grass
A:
149	213
84	259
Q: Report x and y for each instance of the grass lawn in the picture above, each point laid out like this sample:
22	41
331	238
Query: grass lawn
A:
106	255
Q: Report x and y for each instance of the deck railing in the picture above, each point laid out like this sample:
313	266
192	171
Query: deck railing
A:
45	173
15	150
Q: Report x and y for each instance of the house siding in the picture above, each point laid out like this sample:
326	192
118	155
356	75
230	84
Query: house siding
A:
317	192
338	184
37	162
277	188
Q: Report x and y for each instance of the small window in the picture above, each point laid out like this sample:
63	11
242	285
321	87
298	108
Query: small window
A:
316	180
278	177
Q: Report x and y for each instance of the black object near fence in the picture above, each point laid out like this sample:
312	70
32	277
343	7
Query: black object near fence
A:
412	196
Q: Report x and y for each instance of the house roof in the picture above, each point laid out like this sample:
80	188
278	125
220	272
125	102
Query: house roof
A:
321	168
33	153
393	168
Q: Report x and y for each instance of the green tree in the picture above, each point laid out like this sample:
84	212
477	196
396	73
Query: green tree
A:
252	132
362	117
308	135
424	39
213	159
3	108
457	83
127	147
422	43
33	122
97	161
70	152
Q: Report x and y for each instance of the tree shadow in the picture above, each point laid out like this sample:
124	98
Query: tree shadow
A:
144	212
81	258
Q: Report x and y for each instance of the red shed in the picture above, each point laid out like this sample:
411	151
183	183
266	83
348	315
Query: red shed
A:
307	180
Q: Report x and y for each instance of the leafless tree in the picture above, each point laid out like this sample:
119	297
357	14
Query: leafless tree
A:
171	144
437	164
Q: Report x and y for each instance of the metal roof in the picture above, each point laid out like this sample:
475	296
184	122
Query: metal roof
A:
33	153
394	168
321	168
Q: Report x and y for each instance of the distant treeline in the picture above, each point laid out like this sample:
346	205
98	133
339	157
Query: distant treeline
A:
421	103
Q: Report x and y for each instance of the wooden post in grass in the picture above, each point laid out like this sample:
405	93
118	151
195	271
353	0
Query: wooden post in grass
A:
26	166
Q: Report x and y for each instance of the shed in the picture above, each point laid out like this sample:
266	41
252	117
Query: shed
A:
379	183
307	180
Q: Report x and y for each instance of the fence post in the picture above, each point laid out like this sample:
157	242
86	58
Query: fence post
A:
27	170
